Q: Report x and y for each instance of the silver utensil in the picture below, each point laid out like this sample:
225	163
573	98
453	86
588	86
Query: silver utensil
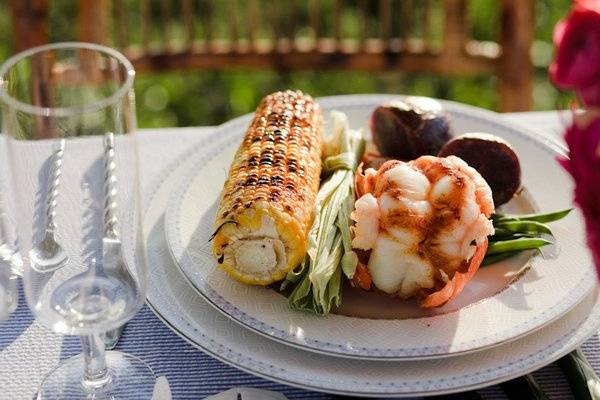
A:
245	393
111	243
111	338
162	390
48	255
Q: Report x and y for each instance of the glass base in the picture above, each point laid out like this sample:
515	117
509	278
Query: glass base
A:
128	378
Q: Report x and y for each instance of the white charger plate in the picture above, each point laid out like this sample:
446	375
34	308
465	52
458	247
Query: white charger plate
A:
175	302
500	304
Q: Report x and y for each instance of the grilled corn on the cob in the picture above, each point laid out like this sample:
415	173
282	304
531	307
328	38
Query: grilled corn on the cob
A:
267	202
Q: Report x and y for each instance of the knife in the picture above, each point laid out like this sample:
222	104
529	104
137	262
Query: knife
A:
112	259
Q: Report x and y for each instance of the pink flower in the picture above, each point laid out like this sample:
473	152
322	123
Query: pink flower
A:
583	140
577	60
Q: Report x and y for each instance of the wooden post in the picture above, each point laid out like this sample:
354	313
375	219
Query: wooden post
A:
427	23
208	23
516	68
337	24
404	19
92	17
30	29
252	15
120	24
187	16
233	26
363	12
385	22
165	23
455	30
146	17
275	22
293	20
313	18
30	23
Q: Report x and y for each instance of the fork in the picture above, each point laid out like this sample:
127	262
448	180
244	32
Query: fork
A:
48	255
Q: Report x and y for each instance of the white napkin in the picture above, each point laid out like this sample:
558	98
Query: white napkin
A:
247	394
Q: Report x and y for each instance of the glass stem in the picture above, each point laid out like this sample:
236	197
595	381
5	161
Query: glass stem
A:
94	356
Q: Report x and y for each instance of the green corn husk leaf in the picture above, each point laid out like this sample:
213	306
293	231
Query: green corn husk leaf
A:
319	278
340	161
349	263
324	268
524	387
333	291
301	291
349	258
582	379
325	192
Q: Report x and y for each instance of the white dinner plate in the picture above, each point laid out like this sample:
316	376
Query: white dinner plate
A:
503	302
187	314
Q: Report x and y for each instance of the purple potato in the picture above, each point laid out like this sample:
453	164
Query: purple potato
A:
409	128
493	157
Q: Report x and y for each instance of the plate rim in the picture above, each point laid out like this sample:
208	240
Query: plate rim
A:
172	168
582	337
182	258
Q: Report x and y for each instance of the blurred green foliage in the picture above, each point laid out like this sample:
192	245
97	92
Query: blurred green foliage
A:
187	98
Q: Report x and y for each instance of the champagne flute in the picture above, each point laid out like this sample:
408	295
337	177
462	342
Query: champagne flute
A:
69	114
10	265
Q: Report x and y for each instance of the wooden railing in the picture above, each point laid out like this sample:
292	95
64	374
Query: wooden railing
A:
295	34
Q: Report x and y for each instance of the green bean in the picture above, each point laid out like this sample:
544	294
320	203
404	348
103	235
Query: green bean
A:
516	245
502	232
580	375
494	258
523	226
510	236
547	217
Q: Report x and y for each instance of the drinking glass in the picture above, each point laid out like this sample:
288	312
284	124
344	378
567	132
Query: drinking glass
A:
69	114
11	265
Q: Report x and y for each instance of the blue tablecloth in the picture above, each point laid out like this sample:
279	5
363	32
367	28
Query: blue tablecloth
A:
194	375
191	373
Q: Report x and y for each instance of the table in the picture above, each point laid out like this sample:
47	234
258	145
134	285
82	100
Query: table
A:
28	350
